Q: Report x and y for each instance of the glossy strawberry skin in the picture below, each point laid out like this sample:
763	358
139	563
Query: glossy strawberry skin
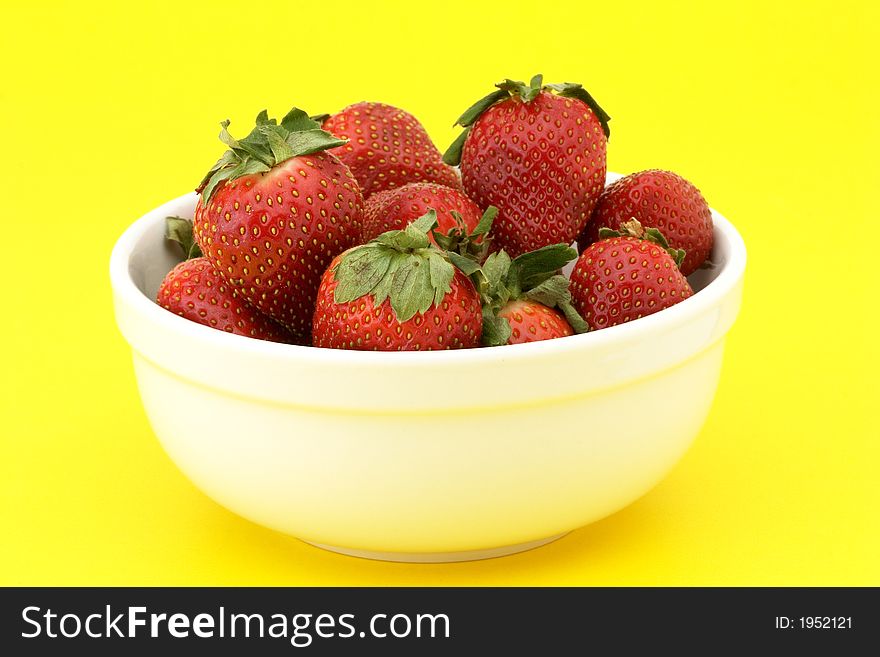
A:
272	235
196	291
542	163
393	209
387	148
531	321
455	324
620	279
658	199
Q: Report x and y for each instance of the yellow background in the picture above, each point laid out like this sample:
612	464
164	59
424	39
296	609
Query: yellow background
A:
106	111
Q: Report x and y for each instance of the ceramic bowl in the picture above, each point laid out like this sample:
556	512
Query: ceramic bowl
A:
424	456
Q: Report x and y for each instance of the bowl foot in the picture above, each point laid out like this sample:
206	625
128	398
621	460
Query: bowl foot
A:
440	557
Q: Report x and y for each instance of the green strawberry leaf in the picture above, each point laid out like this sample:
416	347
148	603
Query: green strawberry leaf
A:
411	290
495	283
496	267
423	225
465	264
555	293
180	230
452	156
550	292
484	225
227	159
473	112
296	120
307	142
401	266
573	317
574	90
254	145
228	139
654	235
247	167
537	266
677	255
383	290
281	150
441	274
414	236
496	330
359	273
207	187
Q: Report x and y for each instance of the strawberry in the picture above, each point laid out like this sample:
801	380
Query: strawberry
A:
526	299
387	147
196	291
531	321
627	275
397	293
537	152
274	211
661	200
394	208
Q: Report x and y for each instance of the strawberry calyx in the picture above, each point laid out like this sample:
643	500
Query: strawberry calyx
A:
634	228
180	230
533	276
401	266
527	92
473	245
268	144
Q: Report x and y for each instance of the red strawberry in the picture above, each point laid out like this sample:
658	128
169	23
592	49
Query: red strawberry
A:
538	156
196	291
274	211
393	209
531	321
387	148
526	299
623	278
661	200
397	293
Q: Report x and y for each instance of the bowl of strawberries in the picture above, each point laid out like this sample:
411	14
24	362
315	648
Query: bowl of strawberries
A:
345	336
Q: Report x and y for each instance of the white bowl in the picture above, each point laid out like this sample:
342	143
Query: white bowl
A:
418	456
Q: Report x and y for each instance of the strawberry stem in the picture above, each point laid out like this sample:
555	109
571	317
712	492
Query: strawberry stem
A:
473	245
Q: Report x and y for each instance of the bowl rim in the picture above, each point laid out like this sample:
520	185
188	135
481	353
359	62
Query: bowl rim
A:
127	290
